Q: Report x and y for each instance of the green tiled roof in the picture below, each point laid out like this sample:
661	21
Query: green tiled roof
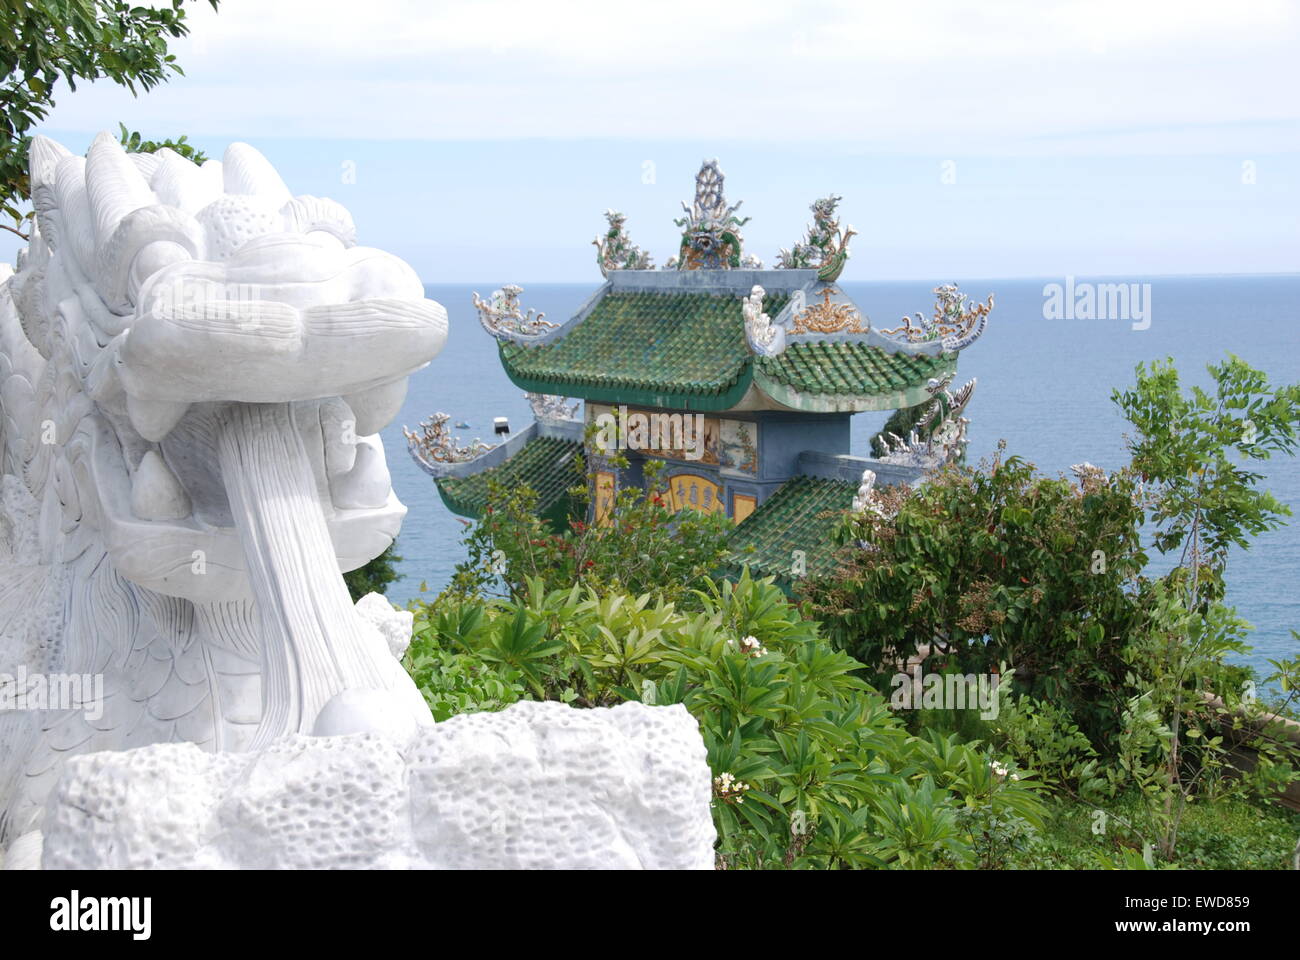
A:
661	349
849	368
544	464
688	350
799	516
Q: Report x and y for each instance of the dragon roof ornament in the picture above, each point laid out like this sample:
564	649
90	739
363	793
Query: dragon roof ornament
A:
435	444
957	321
711	238
940	436
549	408
616	251
503	318
825	246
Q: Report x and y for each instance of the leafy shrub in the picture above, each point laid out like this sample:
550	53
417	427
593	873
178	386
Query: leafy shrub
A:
1041	735
995	565
641	547
375	576
811	767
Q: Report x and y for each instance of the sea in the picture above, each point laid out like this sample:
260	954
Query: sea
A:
1045	377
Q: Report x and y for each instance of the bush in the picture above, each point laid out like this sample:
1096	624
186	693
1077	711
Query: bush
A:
997	565
641	547
811	768
375	576
989	566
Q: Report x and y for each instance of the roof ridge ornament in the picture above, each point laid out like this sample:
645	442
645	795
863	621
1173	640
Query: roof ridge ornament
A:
825	246
503	317
868	499
764	337
711	238
552	408
939	437
958	322
616	251
435	444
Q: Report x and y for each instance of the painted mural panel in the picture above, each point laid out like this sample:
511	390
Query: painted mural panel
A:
686	437
739	450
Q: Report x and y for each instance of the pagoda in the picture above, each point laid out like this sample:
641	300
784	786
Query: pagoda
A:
746	378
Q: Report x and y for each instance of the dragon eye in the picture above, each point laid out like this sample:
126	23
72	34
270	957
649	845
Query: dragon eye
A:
152	258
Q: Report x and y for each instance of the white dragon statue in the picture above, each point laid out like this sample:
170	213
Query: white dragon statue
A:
194	367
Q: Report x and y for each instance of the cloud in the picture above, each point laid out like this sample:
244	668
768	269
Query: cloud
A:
924	77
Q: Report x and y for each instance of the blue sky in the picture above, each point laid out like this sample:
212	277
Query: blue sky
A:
482	141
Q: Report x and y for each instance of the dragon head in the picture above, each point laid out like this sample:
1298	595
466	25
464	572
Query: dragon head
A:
186	290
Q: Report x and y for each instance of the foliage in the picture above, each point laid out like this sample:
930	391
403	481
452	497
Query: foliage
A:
45	41
811	768
375	576
132	143
642	546
1232	833
998	565
1040	735
994	565
1190	453
1201	498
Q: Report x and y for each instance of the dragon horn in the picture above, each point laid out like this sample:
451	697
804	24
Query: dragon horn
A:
246	171
115	186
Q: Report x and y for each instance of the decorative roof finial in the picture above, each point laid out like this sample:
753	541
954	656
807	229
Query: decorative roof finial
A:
825	246
503	317
616	251
940	435
711	239
550	408
957	322
765	338
435	444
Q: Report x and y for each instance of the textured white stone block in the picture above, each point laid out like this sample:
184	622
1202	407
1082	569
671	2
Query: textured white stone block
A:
393	624
538	785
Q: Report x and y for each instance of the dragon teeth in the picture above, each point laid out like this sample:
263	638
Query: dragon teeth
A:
156	493
154	419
